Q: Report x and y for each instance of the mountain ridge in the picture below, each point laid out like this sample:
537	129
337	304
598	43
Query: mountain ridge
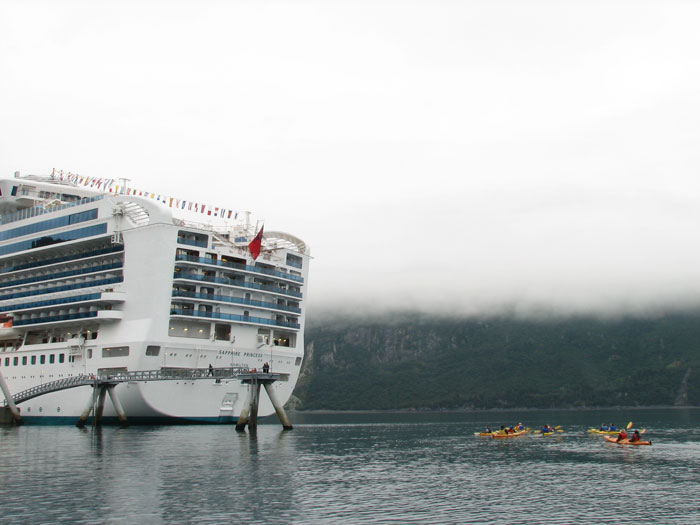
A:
421	361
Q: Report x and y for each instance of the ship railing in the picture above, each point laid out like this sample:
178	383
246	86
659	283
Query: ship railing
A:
233	317
60	275
237	282
234	300
65	288
236	266
55	260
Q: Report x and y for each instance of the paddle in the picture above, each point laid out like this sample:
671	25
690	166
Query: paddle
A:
629	425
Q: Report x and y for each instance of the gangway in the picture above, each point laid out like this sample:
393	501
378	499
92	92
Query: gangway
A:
103	384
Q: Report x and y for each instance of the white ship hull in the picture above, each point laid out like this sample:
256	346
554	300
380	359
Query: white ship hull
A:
116	283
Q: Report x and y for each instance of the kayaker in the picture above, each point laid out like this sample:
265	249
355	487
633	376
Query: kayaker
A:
622	436
612	427
636	436
488	429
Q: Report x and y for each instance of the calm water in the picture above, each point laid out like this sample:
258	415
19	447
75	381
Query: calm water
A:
352	468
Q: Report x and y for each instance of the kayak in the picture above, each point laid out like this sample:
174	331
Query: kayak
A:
610	439
497	432
604	432
515	434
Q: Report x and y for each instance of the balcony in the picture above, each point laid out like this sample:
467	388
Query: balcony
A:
102	315
233	317
77	286
62	275
242	267
238	283
236	300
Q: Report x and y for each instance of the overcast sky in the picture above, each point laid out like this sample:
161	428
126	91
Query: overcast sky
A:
466	156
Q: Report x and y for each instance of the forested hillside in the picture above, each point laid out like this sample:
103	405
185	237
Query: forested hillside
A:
418	361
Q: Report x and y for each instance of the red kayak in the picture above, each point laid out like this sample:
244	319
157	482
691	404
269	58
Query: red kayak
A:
611	439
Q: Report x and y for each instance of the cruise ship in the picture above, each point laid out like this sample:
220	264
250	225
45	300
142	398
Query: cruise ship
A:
98	278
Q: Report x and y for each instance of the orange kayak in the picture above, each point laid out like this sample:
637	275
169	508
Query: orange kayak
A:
611	439
515	434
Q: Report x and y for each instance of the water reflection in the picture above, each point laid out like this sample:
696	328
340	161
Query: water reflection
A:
426	468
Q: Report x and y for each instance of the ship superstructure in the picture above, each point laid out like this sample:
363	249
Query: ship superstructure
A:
102	282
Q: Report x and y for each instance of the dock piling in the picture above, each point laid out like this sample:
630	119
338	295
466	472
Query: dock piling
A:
10	401
117	404
243	417
249	412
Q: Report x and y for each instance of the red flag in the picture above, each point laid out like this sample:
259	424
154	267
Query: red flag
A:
256	244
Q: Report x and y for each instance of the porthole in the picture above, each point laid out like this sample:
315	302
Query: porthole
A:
58	409
39	409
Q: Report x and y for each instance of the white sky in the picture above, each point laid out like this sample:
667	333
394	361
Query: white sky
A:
468	156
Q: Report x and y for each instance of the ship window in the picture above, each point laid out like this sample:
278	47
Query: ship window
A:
222	332
293	260
115	351
52	358
14	191
15	361
24	360
181	328
42	359
33	359
48	240
7	361
89	353
61	358
152	350
50	224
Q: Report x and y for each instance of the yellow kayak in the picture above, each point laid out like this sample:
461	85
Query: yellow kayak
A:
604	432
